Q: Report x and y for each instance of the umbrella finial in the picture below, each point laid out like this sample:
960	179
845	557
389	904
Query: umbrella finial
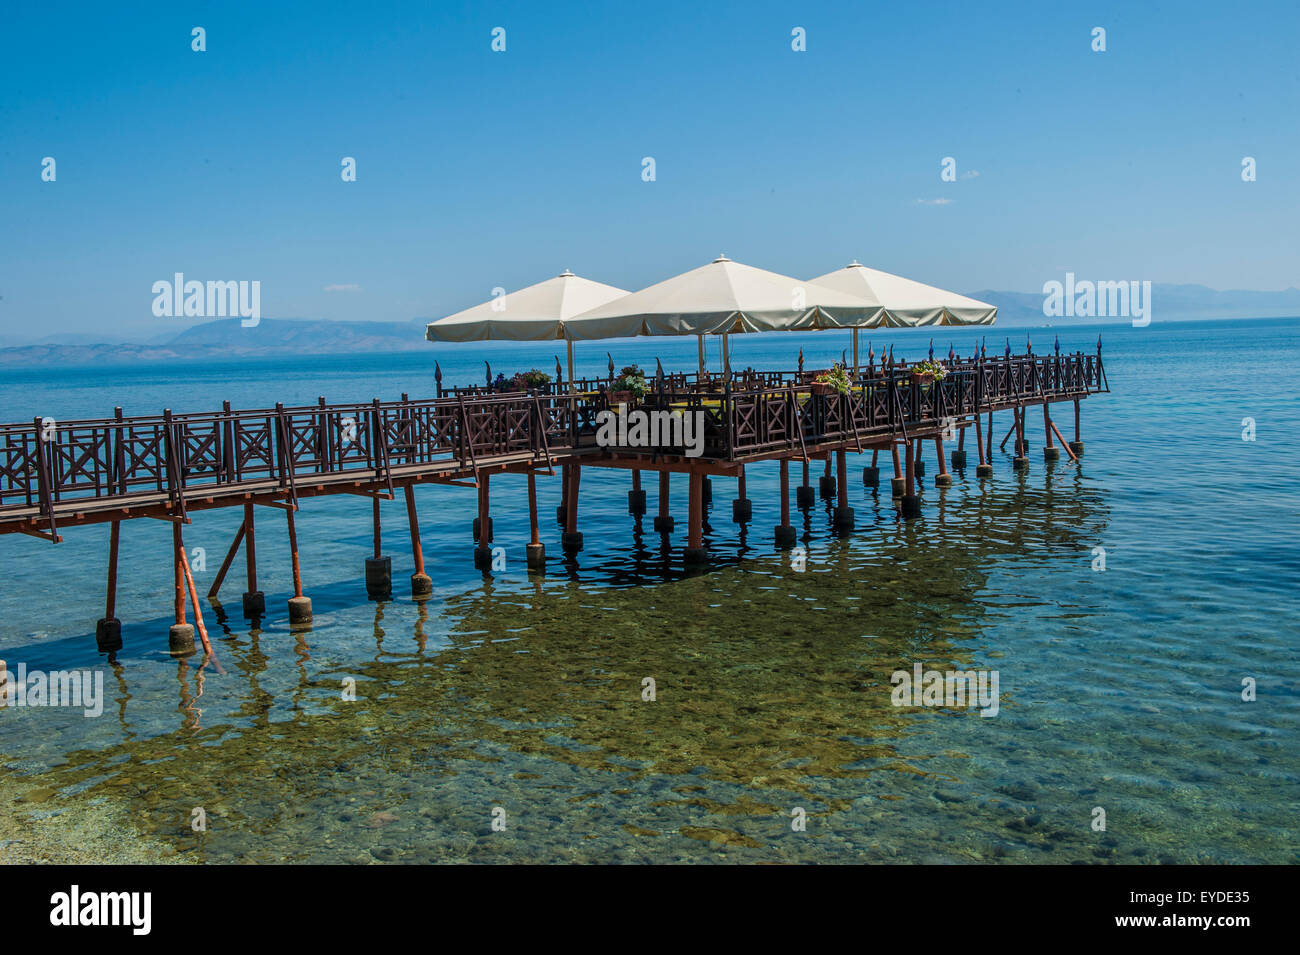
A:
801	361
952	352
437	372
1008	351
1099	343
489	374
1057	344
931	349
611	364
559	373
1029	346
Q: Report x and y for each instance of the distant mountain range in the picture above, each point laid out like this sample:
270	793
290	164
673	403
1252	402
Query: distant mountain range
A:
226	338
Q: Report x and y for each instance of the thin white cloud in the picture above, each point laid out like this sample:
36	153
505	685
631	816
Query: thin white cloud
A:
934	202
343	288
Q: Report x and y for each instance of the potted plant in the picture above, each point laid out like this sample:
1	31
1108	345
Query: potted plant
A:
927	371
533	378
630	385
836	379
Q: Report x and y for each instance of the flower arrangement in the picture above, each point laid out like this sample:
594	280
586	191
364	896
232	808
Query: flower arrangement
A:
632	380
929	370
533	378
836	379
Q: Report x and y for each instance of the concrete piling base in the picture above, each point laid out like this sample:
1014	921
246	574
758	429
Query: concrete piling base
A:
920	467
897	486
379	577
1077	448
1021	448
477	530
911	506
742	510
842	520
1051	454
1020	464
299	610
536	556
180	639
959	460
255	604
943	480
636	502
696	556
108	634
572	543
871	477
984	470
804	496
663	523
562	514
785	536
826	485
482	558
421	585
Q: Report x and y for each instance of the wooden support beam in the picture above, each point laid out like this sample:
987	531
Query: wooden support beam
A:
250	547
785	492
534	535
1065	444
225	564
178	558
979	439
695	539
110	600
293	554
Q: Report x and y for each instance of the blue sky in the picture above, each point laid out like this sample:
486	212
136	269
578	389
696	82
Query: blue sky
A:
478	169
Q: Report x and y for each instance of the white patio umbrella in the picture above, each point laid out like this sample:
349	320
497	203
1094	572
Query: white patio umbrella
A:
907	303
724	298
535	313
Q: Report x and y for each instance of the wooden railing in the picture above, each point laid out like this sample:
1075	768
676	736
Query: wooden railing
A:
169	457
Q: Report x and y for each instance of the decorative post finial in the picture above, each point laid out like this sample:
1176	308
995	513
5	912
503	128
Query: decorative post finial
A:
611	365
489	375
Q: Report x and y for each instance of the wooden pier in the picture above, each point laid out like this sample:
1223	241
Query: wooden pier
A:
56	475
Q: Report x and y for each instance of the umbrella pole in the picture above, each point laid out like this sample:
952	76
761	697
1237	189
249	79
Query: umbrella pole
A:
726	357
701	356
569	347
855	354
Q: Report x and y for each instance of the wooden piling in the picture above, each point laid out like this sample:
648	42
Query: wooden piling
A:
943	478
572	540
421	584
695	553
108	629
178	555
180	637
663	520
536	550
299	605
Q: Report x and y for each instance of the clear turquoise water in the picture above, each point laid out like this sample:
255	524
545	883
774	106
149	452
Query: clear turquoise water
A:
1119	690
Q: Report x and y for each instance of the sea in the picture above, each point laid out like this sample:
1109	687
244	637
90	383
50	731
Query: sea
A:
1136	611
